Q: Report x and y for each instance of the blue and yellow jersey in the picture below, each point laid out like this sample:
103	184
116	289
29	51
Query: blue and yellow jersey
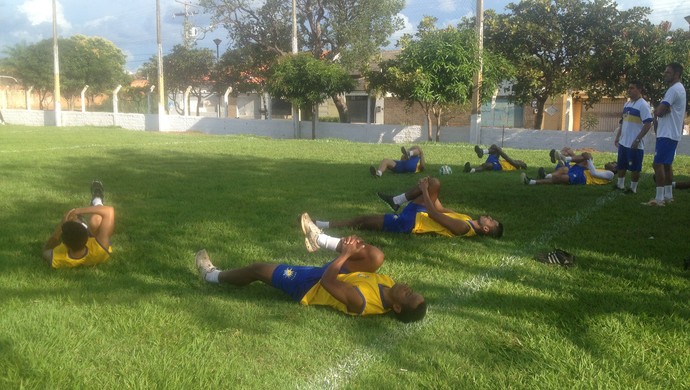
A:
95	254
369	286
591	180
506	166
424	224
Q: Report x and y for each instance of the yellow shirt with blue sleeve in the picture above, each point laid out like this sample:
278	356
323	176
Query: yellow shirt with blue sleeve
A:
368	285
591	180
425	224
95	254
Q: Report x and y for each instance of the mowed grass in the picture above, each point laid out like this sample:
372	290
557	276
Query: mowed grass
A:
497	318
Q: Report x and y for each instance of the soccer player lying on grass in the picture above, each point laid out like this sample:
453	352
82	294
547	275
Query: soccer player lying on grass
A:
498	160
74	243
349	283
411	161
423	214
582	171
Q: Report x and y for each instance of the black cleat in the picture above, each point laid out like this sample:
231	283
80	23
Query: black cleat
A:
479	151
372	170
553	156
467	167
404	152
387	199
556	257
97	191
541	174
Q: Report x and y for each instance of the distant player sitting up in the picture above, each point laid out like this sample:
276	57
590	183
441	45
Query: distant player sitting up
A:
497	160
349	283
75	243
573	169
411	161
423	214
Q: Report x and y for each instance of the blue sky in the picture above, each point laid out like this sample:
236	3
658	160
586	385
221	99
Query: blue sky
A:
132	27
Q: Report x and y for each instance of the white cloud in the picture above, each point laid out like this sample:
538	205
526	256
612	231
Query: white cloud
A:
408	28
447	5
96	23
41	11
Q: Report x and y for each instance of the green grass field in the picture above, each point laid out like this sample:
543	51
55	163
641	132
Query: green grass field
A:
497	319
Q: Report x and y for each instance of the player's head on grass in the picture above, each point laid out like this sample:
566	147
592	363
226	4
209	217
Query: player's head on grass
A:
74	235
408	305
611	166
490	227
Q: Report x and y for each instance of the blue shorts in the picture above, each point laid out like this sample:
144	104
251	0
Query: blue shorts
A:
296	280
493	160
576	173
630	159
403	222
406	166
665	151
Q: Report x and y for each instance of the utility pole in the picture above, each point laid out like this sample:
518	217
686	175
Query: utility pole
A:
162	120
476	117
56	70
217	41
295	110
189	33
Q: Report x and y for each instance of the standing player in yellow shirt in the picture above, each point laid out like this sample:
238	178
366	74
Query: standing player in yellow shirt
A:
349	283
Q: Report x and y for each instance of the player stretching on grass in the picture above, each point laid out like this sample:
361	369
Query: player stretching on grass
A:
498	160
581	172
349	283
423	214
411	161
75	243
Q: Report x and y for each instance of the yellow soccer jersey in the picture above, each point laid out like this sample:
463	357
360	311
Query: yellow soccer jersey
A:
591	180
424	224
95	254
368	284
506	166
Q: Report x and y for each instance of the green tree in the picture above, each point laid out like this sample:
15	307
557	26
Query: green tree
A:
91	61
436	69
305	81
185	67
352	30
561	45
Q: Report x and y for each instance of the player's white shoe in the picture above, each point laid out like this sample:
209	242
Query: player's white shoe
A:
203	264
311	233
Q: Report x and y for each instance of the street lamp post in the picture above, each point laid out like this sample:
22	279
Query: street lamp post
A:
217	42
687	19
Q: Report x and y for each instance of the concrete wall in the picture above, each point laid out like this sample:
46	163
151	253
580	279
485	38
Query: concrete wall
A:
283	129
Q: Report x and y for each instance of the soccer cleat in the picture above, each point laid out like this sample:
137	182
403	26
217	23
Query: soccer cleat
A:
404	152
524	178
479	151
541	174
556	256
97	191
553	156
372	170
311	233
654	202
467	167
668	200
387	199
629	191
203	264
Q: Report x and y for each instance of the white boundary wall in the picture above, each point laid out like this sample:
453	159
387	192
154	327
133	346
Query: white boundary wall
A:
282	129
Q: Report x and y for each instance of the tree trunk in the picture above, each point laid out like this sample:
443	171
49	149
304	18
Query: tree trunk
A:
341	105
314	118
539	118
429	127
438	124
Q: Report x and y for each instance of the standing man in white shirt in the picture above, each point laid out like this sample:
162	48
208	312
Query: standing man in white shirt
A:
636	122
670	113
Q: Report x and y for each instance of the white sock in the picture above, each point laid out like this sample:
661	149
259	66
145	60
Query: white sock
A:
567	159
486	151
548	176
212	277
323	224
400	199
328	242
668	192
473	170
633	186
411	153
659	194
621	183
532	182
97	202
673	184
379	173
